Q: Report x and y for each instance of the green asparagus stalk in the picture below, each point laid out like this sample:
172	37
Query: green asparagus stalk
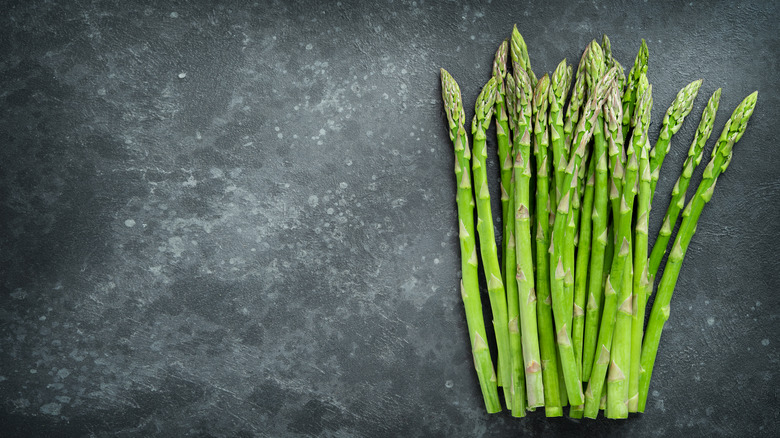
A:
552	403
505	158
641	278
469	285
519	53
695	154
487	241
612	114
673	120
620	360
606	46
630	96
614	295
525	271
559	89
566	350
504	143
721	157
573	110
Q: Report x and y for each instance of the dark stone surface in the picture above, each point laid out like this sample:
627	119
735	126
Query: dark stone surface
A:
238	220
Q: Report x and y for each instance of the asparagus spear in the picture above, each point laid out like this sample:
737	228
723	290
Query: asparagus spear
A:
559	89
641	278
695	154
619	368
519	54
673	120
525	272
469	285
721	157
552	402
606	46
593	70
565	348
487	241
573	111
504	144
630	96
613	294
612	115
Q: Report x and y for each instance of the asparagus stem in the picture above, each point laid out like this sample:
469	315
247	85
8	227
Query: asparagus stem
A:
525	269
619	369
630	96
573	112
721	157
519	53
504	145
584	131
487	241
606	46
673	120
559	89
583	258
552	403
469	285
641	278
612	114
614	294
695	154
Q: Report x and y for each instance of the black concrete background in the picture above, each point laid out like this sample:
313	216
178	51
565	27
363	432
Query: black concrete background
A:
238	220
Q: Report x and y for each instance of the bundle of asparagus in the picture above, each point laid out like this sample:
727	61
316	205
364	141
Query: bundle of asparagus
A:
569	291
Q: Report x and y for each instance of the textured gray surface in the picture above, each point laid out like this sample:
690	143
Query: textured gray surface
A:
239	221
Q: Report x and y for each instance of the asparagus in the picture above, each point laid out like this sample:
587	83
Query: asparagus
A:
469	285
614	293
619	368
519	54
559	89
525	272
612	114
573	110
641	278
721	157
565	348
487	241
504	144
606	46
678	193
552	402
673	120
632	82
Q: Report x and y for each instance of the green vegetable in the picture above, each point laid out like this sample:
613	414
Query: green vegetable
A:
721	157
469	285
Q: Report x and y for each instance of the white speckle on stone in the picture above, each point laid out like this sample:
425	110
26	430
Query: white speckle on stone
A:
473	37
279	135
758	303
33	371
449	384
314	200
42	318
322	131
191	182
309	46
129	223
436	262
101	91
198	135
707	302
369	133
174	15
63	373
276	128
765	342
156	270
182	75
51	408
329	210
710	321
348	162
246	145
319	143
343	185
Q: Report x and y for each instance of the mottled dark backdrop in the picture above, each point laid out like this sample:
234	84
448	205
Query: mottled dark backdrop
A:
238	220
